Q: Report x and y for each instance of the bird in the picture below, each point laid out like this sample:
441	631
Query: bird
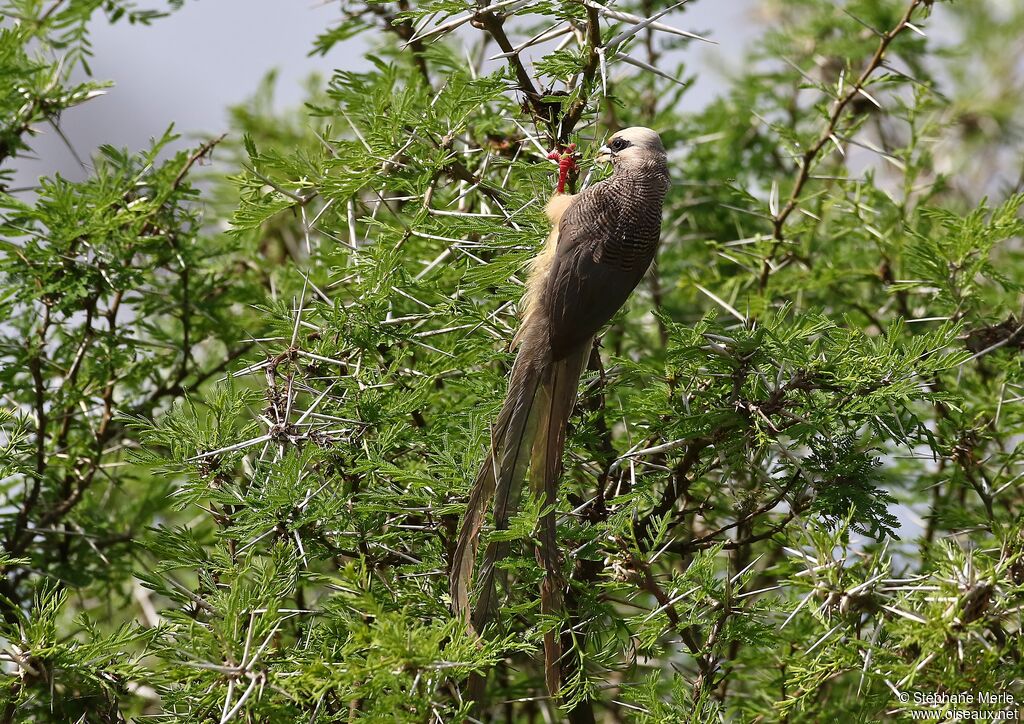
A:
601	243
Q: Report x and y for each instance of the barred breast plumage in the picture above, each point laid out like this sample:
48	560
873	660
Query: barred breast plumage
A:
608	238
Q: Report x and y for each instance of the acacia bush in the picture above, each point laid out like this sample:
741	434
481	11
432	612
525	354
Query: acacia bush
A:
240	417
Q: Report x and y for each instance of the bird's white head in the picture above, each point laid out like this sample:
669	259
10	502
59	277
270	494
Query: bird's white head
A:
632	146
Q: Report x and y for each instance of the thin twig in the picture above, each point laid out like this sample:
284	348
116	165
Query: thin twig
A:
826	136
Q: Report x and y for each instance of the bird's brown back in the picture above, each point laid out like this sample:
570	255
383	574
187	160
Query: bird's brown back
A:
607	239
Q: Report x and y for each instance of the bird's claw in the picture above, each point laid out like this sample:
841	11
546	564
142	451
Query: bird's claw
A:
566	164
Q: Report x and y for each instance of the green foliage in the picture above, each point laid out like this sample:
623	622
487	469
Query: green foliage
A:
233	464
40	46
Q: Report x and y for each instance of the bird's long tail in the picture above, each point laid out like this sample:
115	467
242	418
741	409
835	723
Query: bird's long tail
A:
500	479
556	398
529	431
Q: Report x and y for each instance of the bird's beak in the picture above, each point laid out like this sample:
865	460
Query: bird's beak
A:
604	154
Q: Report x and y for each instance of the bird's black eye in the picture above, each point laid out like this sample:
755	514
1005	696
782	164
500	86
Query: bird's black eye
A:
618	144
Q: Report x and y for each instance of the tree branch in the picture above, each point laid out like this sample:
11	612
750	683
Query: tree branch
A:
575	112
826	135
495	27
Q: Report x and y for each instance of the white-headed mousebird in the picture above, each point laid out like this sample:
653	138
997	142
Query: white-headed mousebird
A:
601	244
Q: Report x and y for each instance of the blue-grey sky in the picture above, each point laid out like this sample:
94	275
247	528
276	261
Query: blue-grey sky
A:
190	67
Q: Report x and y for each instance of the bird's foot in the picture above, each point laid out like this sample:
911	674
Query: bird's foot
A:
566	164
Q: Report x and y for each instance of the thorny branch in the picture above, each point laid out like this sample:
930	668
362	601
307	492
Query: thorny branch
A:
826	136
690	635
494	24
575	112
79	477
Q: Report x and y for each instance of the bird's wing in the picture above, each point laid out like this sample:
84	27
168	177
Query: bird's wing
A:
606	242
